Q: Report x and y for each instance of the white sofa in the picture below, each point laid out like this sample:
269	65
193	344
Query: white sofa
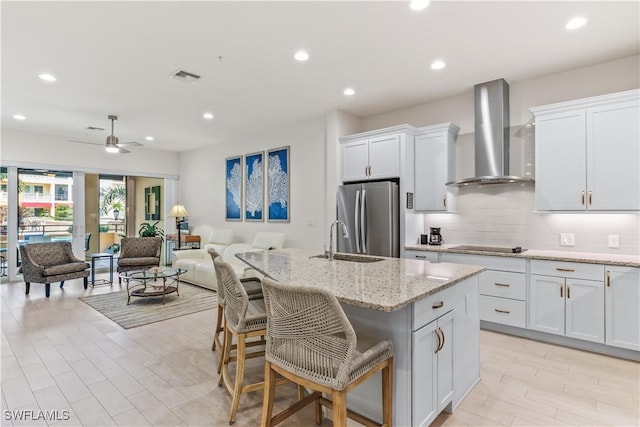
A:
198	263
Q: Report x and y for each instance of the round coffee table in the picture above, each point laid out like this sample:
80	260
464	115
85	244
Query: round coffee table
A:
156	282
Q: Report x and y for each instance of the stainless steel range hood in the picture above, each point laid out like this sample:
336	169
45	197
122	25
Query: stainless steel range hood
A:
491	101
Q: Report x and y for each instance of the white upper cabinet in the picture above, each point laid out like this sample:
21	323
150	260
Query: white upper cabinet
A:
374	157
587	154
434	166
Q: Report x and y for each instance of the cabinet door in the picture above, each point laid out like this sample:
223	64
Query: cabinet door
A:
546	307
585	309
445	360
355	160
613	175
431	172
622	305
561	161
384	157
424	384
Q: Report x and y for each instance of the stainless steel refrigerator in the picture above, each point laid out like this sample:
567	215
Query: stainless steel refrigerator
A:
370	211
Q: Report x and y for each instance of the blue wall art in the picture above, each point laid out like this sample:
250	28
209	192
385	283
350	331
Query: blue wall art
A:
254	187
234	188
278	184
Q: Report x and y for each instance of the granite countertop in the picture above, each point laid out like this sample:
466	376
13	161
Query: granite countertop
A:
385	285
586	257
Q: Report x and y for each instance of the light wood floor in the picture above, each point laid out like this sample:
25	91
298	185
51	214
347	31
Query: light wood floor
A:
60	354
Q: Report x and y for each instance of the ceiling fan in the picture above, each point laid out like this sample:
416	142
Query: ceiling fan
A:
113	145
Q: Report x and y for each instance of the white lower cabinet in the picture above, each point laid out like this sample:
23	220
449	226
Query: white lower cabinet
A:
622	298
421	255
568	306
432	385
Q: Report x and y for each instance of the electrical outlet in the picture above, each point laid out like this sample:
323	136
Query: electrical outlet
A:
614	241
310	222
567	239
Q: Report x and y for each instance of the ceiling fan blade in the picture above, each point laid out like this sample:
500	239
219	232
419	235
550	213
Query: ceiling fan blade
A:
85	142
129	144
123	151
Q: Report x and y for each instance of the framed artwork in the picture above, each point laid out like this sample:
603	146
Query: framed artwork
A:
233	194
152	203
254	187
278	185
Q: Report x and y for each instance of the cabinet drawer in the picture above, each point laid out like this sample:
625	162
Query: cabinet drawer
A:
503	284
421	255
430	308
501	263
574	270
502	310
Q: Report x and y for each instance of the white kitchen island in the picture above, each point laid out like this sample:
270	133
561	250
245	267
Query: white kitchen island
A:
429	311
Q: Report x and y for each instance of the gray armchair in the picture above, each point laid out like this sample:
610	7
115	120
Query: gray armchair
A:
139	253
51	262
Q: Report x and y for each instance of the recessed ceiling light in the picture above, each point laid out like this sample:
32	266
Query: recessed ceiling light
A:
148	138
418	4
19	117
349	91
208	116
575	23
301	55
438	64
47	77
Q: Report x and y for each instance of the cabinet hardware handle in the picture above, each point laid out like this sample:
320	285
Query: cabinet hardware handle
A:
504	285
502	311
582	199
608	278
568	291
590	198
444	200
366	170
421	256
442	333
369	170
439	340
438	305
569	270
561	286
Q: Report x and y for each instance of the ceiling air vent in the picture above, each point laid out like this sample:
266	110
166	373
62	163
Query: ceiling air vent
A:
185	76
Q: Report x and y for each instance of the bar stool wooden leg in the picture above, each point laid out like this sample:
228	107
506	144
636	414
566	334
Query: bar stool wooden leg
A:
387	394
237	386
224	358
269	394
318	411
219	328
339	408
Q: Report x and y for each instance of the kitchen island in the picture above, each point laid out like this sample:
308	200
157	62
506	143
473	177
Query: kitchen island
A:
429	311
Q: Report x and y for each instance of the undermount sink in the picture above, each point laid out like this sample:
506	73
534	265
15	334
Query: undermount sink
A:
349	257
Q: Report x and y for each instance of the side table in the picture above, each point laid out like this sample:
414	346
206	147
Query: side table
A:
94	257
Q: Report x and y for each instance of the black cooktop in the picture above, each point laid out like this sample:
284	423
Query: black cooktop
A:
515	250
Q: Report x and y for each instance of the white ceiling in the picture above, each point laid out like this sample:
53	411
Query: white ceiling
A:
116	58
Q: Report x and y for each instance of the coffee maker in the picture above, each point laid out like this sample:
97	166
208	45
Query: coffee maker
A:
435	238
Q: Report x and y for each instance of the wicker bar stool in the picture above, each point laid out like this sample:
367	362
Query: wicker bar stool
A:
311	342
244	319
253	287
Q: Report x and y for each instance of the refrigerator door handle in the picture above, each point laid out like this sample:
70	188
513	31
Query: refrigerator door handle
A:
363	211
357	221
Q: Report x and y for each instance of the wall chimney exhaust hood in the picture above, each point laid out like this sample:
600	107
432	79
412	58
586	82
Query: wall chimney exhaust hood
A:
491	101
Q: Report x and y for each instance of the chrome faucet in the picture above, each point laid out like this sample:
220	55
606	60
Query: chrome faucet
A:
345	234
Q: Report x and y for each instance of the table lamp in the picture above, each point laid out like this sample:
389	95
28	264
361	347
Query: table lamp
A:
179	213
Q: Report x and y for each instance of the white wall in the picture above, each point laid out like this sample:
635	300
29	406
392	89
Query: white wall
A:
202	184
19	148
504	215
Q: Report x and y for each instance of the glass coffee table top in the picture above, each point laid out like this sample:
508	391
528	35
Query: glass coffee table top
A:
155	282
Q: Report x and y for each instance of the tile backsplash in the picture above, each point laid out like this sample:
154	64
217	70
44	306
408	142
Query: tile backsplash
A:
504	215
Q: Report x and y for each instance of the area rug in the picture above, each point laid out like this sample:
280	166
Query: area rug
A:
142	311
